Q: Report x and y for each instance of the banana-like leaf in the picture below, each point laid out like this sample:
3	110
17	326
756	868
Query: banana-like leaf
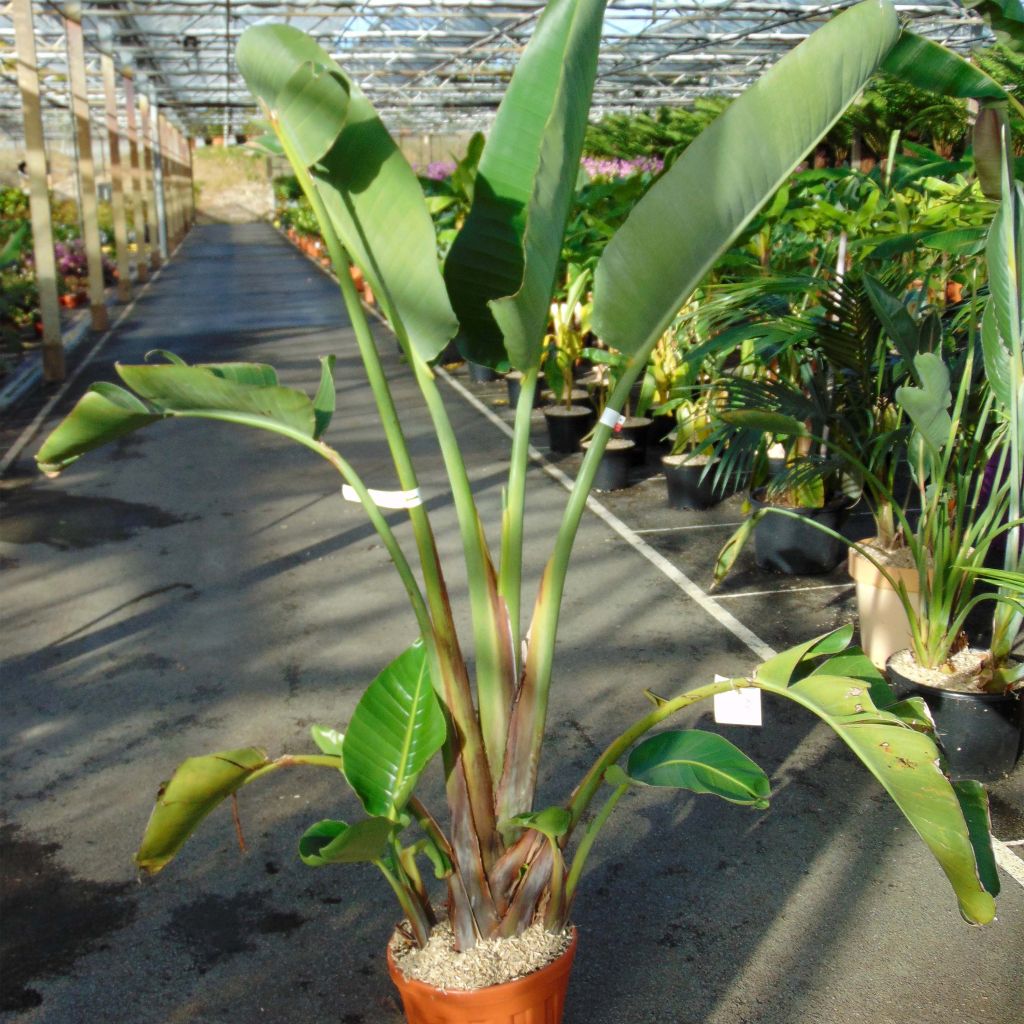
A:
396	728
906	762
928	65
1002	335
552	822
196	788
928	405
697	209
1006	17
702	762
898	323
330	741
782	669
956	241
990	128
763	420
335	842
311	108
325	399
371	194
244	393
501	269
103	414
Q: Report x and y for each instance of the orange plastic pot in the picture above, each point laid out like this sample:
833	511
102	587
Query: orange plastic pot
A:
539	998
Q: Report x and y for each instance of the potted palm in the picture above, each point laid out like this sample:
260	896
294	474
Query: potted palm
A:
508	866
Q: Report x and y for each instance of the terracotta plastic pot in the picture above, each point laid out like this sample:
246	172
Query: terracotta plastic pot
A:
884	627
539	998
981	734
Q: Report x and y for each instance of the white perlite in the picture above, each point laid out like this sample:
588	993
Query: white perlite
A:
489	962
962	673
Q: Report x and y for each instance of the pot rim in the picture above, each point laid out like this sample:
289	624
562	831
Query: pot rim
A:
834	504
982	695
863	571
560	965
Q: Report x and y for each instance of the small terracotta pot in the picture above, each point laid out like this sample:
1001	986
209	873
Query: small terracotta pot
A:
539	998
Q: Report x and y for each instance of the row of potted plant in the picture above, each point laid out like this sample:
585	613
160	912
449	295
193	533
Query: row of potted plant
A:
506	864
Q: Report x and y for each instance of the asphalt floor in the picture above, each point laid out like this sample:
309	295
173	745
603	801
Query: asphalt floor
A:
196	587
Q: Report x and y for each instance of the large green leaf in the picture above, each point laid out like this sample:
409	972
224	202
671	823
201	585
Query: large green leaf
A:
371	194
509	247
906	762
930	66
196	788
396	728
702	762
335	842
244	393
1002	334
696	209
103	414
928	405
197	390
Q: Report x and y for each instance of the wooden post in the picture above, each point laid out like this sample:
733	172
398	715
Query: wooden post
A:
152	184
192	180
39	197
86	172
173	204
138	184
124	283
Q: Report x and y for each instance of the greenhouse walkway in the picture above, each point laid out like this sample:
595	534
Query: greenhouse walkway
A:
196	587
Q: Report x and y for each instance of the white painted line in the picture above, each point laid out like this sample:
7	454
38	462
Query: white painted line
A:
782	590
1008	860
696	526
30	431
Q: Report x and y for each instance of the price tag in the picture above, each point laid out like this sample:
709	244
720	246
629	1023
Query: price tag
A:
738	707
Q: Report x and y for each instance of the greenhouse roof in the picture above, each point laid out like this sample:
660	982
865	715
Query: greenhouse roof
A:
429	65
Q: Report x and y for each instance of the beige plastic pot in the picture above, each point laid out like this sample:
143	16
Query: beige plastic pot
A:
884	627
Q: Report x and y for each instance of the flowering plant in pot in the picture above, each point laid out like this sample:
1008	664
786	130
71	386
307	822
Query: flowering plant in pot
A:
506	864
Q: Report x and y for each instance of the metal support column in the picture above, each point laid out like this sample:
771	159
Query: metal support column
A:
124	283
39	198
86	172
138	183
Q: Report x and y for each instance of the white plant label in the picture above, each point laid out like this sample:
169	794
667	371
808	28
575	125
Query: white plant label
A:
738	707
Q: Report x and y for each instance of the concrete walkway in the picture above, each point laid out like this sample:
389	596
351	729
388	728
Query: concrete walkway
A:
196	587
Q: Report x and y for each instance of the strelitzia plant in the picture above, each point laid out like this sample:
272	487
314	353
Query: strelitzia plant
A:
505	862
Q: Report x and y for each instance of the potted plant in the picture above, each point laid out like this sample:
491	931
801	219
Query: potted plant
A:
569	416
508	865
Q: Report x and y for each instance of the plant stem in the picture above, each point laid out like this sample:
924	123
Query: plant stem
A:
511	570
594	778
580	857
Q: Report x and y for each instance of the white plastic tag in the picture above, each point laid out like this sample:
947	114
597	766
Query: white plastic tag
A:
738	707
613	419
385	499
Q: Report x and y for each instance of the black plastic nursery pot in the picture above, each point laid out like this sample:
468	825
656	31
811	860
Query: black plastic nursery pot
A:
688	486
480	374
637	430
580	396
787	545
614	467
567	426
981	734
514	383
